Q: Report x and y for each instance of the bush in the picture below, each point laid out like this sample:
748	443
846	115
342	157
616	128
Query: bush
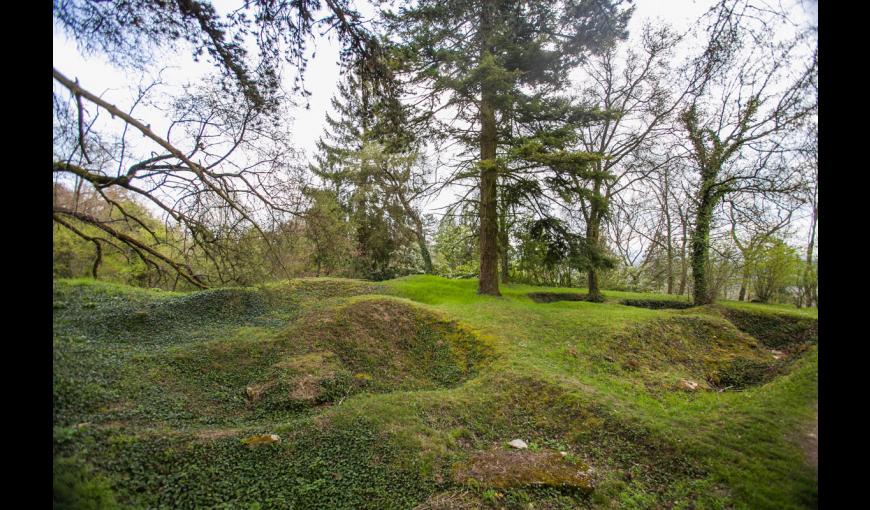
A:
75	488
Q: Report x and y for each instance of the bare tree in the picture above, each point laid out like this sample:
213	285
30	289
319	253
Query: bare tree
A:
735	126
632	91
216	168
810	278
753	223
222	165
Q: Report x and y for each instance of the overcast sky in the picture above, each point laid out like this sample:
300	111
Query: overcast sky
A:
322	76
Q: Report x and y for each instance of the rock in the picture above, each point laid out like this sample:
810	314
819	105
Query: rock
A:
261	440
255	391
519	443
687	385
506	469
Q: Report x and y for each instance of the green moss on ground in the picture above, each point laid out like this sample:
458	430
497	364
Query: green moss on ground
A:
382	393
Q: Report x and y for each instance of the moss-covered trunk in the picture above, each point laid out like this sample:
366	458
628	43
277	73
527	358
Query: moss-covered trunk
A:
701	244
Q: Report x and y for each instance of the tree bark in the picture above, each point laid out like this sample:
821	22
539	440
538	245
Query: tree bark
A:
593	238
744	283
424	249
810	294
669	236
701	245
684	267
488	280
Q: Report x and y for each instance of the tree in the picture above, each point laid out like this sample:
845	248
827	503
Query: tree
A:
402	177
221	165
370	158
754	94
79	252
477	60
329	232
809	282
631	90
776	267
758	225
456	247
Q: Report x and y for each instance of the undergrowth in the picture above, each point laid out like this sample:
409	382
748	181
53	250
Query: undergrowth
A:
381	393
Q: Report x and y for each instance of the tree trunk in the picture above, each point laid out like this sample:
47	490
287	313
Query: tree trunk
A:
670	234
744	280
701	246
684	274
810	295
419	233
488	281
504	243
424	250
594	239
592	280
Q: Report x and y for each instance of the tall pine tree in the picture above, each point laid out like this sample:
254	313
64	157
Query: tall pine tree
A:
478	59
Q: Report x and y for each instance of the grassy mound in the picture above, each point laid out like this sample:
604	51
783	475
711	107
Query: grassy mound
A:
95	312
775	330
372	344
366	345
395	343
697	347
377	401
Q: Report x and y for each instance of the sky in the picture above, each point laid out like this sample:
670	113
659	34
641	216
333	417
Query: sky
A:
323	74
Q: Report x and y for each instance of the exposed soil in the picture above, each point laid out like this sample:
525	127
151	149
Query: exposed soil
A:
550	297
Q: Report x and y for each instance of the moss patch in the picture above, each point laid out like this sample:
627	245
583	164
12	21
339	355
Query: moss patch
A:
691	346
775	330
503	469
657	304
377	400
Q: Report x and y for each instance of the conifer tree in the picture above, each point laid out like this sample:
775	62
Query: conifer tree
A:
370	159
478	60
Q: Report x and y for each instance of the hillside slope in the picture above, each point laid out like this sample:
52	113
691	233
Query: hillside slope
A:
405	394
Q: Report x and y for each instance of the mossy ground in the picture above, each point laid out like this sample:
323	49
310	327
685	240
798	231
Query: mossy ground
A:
381	393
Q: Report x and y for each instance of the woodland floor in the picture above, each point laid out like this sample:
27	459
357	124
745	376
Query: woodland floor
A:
405	394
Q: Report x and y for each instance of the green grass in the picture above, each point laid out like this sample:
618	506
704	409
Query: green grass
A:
381	391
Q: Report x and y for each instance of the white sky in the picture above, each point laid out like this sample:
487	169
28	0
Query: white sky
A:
323	73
